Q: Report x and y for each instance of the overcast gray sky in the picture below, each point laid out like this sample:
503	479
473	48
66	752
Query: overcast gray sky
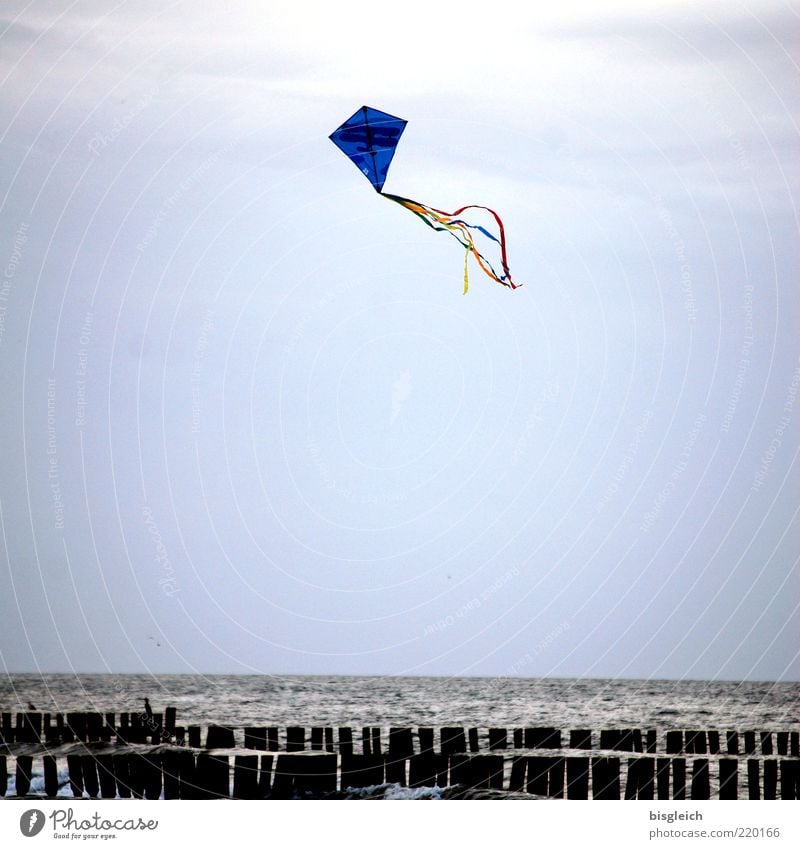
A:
248	413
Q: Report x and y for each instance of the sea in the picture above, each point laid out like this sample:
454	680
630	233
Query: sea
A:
384	701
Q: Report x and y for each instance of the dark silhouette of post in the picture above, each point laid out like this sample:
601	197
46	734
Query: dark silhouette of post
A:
728	778
578	777
75	768
662	777
753	779
701	786
24	774
90	779
50	776
770	779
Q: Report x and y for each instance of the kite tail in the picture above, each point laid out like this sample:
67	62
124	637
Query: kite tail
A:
452	223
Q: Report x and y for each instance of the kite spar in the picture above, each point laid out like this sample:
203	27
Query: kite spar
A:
369	139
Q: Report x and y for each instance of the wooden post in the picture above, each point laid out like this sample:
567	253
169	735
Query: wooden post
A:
24	773
427	770
542	738
732	739
77	723
107	732
220	737
171	764
578	776
555	778
153	775
516	783
783	742
170	718
662	778
376	740
75	775
33	727
122	772
123	729
283	782
790	779
255	738
580	739
425	740
90	779
728	778
194	732
498	739
640	781
265	776
701	786
550	738
317	737
474	743
94	727
50	776
474	771
401	743
696	743
329	747
794	744
136	733
494	768
187	772
245	777
538	769
272	739
750	742
766	743
362	771
366	740
50	733
453	741
652	741
770	779
138	774
459	771
678	779
315	775
156	728
605	778
212	776
610	739
396	765
518	738
6	729
320	774
753	779
3	776
345	741
674	742
713	742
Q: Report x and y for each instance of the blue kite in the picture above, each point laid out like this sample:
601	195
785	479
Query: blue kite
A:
369	138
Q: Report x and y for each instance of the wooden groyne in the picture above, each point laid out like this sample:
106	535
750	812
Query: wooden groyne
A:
150	756
137	728
176	773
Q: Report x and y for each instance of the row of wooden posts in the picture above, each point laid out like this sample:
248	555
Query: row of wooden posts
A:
183	774
50	729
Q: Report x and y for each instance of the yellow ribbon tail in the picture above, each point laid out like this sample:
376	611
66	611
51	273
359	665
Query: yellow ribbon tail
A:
466	272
